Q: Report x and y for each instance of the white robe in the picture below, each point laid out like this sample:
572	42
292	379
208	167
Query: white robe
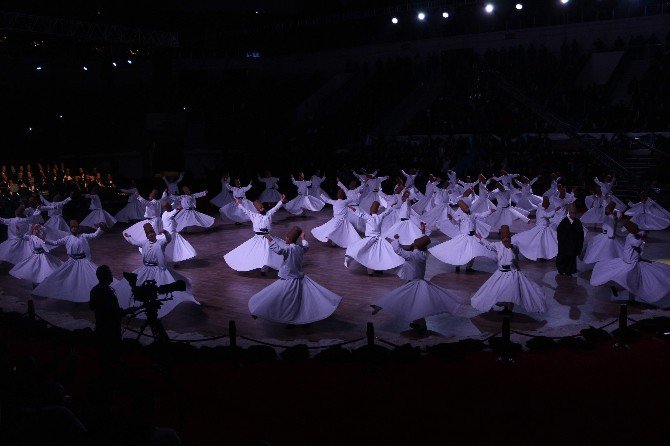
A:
189	216
256	253
16	249
338	229
39	265
304	201
373	251
505	213
315	190
152	214
606	245
294	298
405	226
75	278
133	210
97	216
649	215
56	225
540	242
354	196
270	194
524	198
178	249
508	284
649	281
224	197
173	186
418	298
234	212
463	247
155	268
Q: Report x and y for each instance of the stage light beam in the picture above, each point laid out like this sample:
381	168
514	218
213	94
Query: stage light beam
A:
489	8
519	6
421	16
394	20
445	15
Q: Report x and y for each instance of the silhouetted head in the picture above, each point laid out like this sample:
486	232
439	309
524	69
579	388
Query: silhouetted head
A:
374	208
293	234
150	232
259	207
104	275
74	227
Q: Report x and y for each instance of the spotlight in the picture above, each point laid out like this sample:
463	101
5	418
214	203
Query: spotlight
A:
38	68
445	15
421	16
85	68
60	116
113	64
565	2
489	8
184	108
394	20
130	62
519	6
30	129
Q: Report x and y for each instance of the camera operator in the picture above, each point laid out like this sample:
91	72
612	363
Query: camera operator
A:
107	311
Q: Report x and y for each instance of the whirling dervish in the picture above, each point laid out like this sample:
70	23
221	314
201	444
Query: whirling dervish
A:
315	189
255	253
418	298
224	197
55	224
178	248
373	251
16	249
98	216
133	210
338	230
152	214
405	227
155	268
173	186
540	242
73	280
524	198
646	280
505	213
648	215
188	216
40	264
606	245
234	212
271	193
508	284
294	299
304	201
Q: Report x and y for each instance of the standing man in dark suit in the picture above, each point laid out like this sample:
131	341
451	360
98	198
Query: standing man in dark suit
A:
570	242
108	313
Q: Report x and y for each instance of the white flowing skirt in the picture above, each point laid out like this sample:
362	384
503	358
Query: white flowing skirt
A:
593	216
72	281
460	250
529	202
162	276
191	217
448	228
303	203
505	216
57	223
269	196
480	205
132	211
96	217
537	243
407	231
418	299
179	249
317	192
136	231
36	268
222	198
294	301
356	221
337	230
253	254
232	211
650	222
433	216
15	250
374	253
424	204
601	247
510	286
647	281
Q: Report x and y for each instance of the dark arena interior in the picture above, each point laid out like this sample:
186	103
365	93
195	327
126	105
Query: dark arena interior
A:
334	222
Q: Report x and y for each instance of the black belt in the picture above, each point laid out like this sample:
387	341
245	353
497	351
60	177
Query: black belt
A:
604	231
262	232
404	219
190	209
505	268
150	264
471	233
239	198
77	255
39	251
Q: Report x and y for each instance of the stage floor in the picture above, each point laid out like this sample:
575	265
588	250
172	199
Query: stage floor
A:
572	302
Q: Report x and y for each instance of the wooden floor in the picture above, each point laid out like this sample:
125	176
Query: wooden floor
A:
572	302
